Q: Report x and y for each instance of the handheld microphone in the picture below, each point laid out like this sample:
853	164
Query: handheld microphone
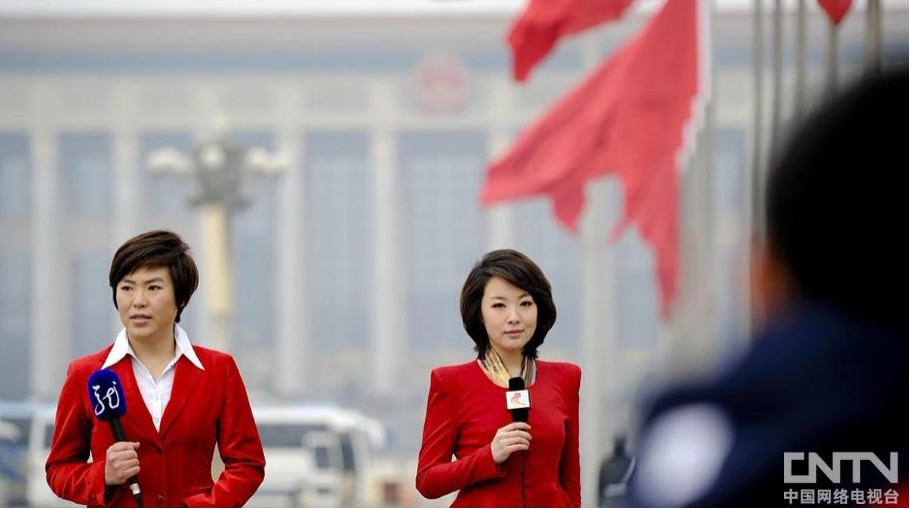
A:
517	399
105	392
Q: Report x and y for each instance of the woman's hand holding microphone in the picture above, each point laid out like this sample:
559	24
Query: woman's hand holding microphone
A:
510	438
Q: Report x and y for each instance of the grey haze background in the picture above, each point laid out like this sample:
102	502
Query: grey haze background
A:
347	268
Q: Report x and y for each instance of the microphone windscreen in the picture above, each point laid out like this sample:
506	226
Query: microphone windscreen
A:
516	383
105	392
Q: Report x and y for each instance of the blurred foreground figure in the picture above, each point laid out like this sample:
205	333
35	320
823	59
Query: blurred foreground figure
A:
815	414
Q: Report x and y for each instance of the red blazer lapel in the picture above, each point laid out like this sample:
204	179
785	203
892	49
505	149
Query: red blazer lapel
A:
136	410
185	377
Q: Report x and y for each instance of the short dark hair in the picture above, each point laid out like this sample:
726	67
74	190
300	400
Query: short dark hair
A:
519	270
157	248
834	210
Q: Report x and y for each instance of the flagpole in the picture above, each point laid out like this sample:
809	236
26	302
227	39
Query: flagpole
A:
800	105
598	325
758	75
706	147
598	329
777	77
874	36
758	66
831	62
693	326
756	226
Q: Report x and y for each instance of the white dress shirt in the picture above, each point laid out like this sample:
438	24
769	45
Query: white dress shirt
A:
155	393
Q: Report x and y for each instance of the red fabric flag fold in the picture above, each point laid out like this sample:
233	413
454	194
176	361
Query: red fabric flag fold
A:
543	22
627	118
835	9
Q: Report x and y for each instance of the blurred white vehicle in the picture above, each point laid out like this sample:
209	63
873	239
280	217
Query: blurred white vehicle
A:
37	492
317	455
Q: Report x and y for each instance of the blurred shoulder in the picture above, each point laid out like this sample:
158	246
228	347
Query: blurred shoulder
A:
89	363
456	377
566	370
454	371
214	358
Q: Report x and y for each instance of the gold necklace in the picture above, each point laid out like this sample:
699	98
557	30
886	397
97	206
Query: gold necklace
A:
497	372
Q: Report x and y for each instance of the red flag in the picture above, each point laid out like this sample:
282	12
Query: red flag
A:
836	9
627	118
543	22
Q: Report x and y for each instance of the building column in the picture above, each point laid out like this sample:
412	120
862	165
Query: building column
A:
600	383
388	300
600	394
127	196
51	310
500	217
290	285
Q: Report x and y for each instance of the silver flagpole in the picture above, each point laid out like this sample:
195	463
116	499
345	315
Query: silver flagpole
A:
832	57
874	36
754	180
758	70
800	104
777	76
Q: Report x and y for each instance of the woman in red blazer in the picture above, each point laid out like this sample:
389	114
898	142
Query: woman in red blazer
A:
507	309
182	400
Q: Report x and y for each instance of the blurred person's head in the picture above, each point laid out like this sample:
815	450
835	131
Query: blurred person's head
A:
507	304
152	278
834	208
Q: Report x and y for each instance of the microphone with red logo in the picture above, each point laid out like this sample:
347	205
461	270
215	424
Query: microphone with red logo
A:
518	401
106	395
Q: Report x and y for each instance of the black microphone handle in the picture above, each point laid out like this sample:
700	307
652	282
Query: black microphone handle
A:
117	429
519	414
517	383
120	436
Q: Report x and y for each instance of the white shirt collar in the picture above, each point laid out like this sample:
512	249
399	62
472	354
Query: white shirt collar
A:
122	348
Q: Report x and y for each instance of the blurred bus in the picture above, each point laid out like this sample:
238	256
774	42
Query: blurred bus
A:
14	427
24	459
38	493
318	455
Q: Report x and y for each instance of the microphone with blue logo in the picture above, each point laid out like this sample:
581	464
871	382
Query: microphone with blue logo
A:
106	395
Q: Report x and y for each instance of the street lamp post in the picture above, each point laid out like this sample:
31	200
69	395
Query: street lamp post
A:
216	174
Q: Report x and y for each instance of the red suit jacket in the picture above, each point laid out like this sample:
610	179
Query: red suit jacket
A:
206	406
464	410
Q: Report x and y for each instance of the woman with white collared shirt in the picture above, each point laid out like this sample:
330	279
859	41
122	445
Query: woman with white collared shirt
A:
193	399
